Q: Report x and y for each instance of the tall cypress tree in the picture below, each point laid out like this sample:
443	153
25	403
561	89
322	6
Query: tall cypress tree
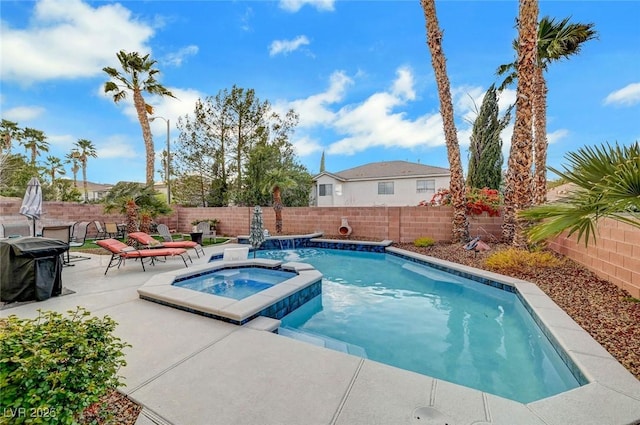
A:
322	162
485	150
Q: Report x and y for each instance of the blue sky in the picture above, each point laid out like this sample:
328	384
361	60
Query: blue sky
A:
358	73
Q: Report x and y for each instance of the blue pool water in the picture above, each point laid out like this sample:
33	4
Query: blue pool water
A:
236	283
435	323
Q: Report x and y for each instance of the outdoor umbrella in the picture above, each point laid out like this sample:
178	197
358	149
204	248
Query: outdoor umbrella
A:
256	235
32	202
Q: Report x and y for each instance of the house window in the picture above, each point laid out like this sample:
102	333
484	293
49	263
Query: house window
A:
385	188
425	186
325	189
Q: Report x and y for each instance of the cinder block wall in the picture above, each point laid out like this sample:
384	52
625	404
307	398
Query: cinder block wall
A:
615	256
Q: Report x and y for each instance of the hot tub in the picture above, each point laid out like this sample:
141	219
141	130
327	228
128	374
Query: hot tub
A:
279	288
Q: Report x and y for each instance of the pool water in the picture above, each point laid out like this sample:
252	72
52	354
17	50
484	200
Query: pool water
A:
236	283
417	318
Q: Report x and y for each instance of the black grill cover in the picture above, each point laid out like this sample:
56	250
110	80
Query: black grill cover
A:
30	268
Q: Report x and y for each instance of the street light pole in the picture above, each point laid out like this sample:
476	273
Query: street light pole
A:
168	161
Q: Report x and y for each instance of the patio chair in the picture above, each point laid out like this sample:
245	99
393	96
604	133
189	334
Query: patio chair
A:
205	228
163	230
78	238
146	241
16	229
121	251
101	232
111	230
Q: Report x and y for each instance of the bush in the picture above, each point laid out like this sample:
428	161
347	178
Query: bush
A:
424	242
517	259
478	201
53	367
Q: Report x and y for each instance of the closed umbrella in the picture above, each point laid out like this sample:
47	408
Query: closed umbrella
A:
32	202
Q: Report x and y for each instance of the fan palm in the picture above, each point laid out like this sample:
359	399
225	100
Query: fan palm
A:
9	131
517	195
556	41
139	76
608	185
35	141
54	167
84	150
276	181
434	40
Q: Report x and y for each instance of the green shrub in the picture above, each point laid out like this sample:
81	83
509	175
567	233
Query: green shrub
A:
53	367
518	259
424	241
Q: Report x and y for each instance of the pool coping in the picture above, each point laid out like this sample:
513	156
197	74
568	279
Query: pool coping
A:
160	289
609	385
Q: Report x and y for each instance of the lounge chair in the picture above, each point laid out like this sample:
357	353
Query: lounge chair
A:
146	241
121	251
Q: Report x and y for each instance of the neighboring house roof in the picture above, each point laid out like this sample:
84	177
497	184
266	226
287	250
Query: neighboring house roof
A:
387	169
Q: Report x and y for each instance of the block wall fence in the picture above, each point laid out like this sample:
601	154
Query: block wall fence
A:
615	256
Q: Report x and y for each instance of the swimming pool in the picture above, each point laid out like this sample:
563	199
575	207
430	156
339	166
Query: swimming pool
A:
415	317
236	283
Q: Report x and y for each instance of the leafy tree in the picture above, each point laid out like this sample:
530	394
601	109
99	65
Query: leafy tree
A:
434	40
556	41
608	185
139	77
83	151
35	141
485	150
15	173
517	194
144	197
67	190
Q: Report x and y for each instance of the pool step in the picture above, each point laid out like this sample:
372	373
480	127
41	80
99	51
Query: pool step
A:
322	341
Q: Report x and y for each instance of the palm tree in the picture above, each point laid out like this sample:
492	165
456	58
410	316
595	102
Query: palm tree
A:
54	166
72	158
35	141
83	151
556	41
434	40
276	181
608	185
9	131
141	79
517	195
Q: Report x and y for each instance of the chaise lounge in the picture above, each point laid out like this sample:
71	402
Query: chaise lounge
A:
144	240
121	251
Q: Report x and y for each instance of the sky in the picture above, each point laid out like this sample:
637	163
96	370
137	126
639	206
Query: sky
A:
358	73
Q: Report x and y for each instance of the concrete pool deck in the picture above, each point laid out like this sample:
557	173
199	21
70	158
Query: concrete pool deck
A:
187	369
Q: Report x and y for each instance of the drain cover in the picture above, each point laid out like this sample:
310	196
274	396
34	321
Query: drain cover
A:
430	416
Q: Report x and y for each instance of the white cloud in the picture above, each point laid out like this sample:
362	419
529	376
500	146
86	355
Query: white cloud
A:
176	58
69	39
557	135
296	5
626	96
306	146
118	147
287	46
23	113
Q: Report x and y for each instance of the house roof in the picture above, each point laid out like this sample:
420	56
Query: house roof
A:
388	169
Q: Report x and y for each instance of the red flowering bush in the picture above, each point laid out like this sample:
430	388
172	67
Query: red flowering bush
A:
478	201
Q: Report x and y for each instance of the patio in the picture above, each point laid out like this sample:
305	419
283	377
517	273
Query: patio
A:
188	369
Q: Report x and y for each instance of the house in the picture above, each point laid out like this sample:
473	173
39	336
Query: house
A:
388	183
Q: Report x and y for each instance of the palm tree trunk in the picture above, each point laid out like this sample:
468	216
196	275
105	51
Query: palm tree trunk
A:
84	180
141	109
434	40
540	135
277	207
517	194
